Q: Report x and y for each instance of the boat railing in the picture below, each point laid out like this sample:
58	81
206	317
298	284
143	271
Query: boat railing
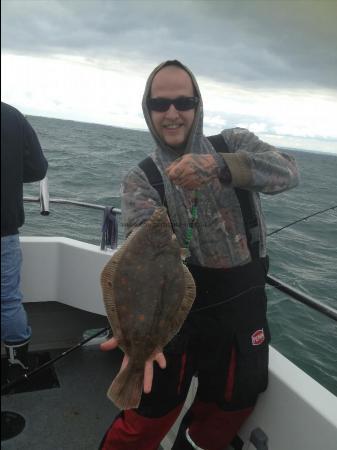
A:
293	293
302	297
63	201
44	200
109	216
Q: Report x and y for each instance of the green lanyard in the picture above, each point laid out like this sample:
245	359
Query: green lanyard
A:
189	232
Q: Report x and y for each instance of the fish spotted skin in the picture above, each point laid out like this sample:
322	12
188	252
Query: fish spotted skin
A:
147	292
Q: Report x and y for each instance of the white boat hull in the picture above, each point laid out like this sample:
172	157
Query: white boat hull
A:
296	412
64	270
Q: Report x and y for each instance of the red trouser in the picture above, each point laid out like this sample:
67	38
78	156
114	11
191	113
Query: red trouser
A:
211	429
227	349
131	431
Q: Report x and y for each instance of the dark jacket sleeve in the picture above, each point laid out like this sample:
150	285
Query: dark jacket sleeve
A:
34	163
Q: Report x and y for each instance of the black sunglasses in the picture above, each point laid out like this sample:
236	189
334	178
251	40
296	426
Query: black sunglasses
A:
161	104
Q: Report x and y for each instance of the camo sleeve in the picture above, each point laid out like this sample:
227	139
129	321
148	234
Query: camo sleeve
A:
256	165
139	199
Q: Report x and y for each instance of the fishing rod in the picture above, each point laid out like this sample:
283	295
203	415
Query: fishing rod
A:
301	220
38	369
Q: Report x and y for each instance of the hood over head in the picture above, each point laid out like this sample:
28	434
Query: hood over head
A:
197	127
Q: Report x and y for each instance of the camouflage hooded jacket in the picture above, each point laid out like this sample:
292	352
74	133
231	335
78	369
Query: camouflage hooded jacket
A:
219	239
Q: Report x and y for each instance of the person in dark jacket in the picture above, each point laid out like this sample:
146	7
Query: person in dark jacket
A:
22	161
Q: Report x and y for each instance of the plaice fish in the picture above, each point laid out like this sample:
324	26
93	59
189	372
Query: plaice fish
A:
147	292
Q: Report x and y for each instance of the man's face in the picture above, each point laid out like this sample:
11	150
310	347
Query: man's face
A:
173	126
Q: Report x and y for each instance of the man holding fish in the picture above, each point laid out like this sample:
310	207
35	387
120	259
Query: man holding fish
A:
222	339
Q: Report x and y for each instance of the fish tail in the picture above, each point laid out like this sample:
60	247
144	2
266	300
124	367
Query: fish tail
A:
126	389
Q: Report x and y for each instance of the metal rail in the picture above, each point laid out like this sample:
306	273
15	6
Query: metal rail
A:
302	297
63	201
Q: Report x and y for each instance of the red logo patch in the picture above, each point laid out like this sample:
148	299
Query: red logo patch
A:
258	337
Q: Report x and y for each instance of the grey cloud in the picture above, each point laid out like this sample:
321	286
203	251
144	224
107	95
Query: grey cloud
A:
255	43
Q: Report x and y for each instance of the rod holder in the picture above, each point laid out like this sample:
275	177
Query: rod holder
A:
44	197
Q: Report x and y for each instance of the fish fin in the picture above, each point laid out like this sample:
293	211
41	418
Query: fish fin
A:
185	306
107	280
189	297
126	389
190	290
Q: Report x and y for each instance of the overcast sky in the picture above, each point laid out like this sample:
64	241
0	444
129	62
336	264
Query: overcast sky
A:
268	65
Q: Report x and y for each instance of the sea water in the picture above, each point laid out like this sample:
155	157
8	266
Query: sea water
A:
87	162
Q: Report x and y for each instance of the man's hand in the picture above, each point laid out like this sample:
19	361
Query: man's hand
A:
192	171
148	368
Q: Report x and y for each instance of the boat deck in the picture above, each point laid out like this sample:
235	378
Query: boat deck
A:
68	408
